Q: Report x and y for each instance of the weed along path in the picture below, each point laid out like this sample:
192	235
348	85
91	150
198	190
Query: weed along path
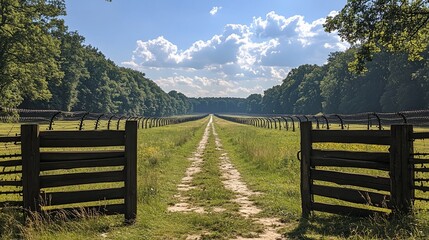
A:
212	186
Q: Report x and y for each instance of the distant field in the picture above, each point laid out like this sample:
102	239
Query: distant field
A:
267	160
11	129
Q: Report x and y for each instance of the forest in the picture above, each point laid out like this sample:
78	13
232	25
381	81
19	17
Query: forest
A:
388	83
43	65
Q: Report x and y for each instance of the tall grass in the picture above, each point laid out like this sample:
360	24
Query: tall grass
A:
267	159
162	154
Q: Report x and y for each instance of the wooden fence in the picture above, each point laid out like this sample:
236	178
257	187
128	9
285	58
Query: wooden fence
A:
52	178
391	190
420	161
10	172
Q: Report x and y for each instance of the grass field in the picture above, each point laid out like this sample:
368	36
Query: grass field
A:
267	161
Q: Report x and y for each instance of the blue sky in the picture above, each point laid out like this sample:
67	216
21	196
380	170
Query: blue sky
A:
209	48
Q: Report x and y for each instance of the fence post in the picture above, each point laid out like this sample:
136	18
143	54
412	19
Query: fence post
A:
30	149
131	171
306	148
81	121
51	122
401	171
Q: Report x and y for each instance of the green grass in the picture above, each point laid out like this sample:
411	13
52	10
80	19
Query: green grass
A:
267	161
210	194
162	161
209	191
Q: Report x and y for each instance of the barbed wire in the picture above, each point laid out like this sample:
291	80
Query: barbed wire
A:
12	118
370	120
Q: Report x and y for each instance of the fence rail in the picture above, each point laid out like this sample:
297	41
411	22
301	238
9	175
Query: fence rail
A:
80	120
49	179
420	161
369	120
396	177
38	163
10	172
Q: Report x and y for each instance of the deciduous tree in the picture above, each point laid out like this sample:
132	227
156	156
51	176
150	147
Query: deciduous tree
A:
374	25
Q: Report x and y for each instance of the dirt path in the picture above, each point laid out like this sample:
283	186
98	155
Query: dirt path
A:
232	181
197	160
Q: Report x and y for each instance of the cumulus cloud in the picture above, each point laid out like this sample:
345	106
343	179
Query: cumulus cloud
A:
215	10
199	86
242	59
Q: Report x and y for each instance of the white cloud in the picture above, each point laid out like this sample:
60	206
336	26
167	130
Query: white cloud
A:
215	10
157	52
242	59
333	13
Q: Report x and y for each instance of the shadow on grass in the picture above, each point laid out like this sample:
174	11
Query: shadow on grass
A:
378	227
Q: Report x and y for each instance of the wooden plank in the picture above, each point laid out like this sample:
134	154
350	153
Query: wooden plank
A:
82	138
72	164
80	155
11	163
421	180
306	149
422	188
352	136
63	143
422	170
82	135
81	178
30	149
11	183
77	212
401	170
344	210
11	172
131	171
420	135
373	182
419	161
10	139
363	156
59	198
352	195
407	169
422	199
12	155
336	162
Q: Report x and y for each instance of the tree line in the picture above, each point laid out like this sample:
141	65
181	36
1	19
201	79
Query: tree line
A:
390	83
43	65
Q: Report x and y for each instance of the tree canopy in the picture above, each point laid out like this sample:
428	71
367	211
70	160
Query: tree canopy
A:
375	25
43	65
28	49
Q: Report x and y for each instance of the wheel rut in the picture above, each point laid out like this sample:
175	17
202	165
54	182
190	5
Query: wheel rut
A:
232	181
185	185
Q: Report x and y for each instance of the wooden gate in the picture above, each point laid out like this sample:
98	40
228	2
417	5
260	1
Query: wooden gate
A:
384	187
75	171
